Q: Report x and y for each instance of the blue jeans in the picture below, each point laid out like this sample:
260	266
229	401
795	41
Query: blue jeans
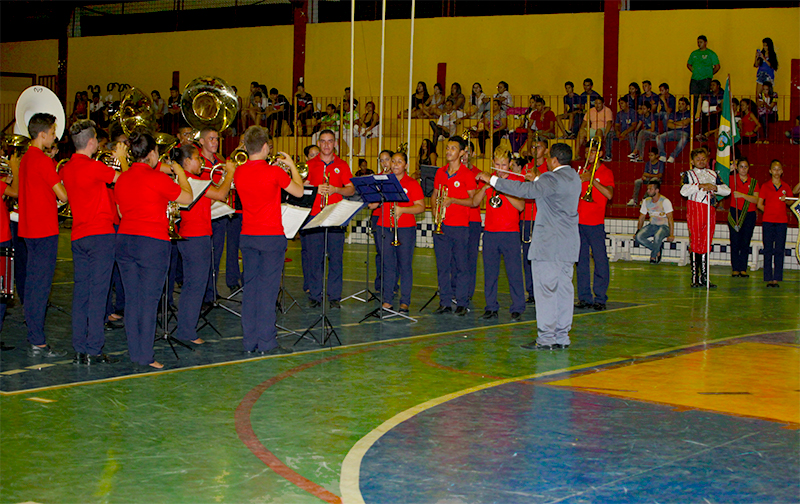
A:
671	136
644	136
657	233
612	134
593	244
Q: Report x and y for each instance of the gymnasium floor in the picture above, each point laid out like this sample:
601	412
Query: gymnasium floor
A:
671	395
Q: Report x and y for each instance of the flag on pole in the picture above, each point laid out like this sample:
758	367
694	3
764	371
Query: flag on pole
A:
728	135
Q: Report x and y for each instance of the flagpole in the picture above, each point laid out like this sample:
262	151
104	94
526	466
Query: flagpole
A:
691	125
733	122
708	243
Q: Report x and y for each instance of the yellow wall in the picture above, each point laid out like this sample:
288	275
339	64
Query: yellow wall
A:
656	45
534	53
39	57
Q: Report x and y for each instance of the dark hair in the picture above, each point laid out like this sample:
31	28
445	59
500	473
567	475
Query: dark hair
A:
462	144
254	83
654	150
347	88
155	92
330	105
439	86
457	85
773	58
81	132
749	103
684	100
208	129
273	91
718	83
326	131
428	143
173	88
635	85
308	148
504	83
696	152
776	160
742	159
598	97
101	134
141	143
401	153
646	103
539	99
655	182
40	123
115	130
391	153
541	140
588	80
569	83
562	152
254	139
425	93
182	153
622	100
361	160
646	82
735	100
703	38
664	85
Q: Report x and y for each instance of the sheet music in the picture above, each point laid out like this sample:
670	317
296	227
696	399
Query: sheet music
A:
220	209
199	188
293	217
335	215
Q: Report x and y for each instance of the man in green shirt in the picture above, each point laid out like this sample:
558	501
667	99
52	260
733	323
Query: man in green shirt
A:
703	63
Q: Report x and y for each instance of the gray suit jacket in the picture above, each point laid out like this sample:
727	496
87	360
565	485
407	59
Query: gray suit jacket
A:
555	235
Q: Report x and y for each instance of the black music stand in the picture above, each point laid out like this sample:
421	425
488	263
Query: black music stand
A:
427	175
383	188
326	219
165	334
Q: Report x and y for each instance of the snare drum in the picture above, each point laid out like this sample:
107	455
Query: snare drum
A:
6	274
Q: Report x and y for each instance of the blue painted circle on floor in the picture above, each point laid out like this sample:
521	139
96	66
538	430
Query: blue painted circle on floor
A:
520	443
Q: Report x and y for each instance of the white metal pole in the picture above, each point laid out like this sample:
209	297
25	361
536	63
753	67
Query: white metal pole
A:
411	72
708	243
380	98
352	91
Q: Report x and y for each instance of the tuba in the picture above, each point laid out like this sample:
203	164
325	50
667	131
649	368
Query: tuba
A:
209	102
34	100
136	111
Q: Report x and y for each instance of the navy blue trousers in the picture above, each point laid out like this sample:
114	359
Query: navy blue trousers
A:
219	229
376	238
473	250
525	232
452	245
115	290
3	306
740	240
397	262
92	261
143	263
20	261
262	258
593	245
196	255
316	268
505	245
774	236
41	266
233	274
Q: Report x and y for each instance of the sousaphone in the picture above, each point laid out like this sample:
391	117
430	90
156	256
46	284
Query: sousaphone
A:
136	111
209	102
35	100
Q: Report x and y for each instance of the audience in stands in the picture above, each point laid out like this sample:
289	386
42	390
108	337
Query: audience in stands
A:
749	124
598	122
572	107
445	126
665	105
766	64
767	104
625	124
647	131
678	128
434	106
478	102
653	170
457	96
703	63
661	227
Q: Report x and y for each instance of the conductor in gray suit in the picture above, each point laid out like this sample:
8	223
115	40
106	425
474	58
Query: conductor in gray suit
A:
555	244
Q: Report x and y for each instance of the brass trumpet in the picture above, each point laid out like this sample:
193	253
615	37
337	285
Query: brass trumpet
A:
325	197
439	210
495	201
239	157
594	144
396	241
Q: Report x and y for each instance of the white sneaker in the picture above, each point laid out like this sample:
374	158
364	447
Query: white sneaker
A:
663	159
632	155
631	202
671	160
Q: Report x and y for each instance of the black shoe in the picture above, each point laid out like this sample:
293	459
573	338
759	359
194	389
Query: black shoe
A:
488	314
530	300
5	348
233	288
442	309
582	304
744	275
80	358
314	304
110	326
46	352
403	308
461	311
599	306
515	315
206	306
559	346
536	346
100	359
335	304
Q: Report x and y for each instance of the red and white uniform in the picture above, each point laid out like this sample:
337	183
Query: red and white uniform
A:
698	206
458	186
339	175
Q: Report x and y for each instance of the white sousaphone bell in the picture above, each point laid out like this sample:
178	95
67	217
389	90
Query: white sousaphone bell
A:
35	100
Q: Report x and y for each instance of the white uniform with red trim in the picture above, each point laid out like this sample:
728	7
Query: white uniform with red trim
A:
697	210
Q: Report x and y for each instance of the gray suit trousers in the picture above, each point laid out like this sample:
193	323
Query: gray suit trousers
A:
554	293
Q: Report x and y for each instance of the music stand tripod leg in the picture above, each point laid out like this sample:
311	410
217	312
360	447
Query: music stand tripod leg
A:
166	334
435	294
327	327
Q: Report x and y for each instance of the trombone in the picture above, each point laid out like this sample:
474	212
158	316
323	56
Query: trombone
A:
594	144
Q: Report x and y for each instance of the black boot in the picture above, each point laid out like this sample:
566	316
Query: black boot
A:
695	269
701	258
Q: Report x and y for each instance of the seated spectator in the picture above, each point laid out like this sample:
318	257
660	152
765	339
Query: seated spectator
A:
505	97
458	98
661	225
541	122
665	105
329	121
363	168
647	131
159	108
305	108
767	101
173	118
794	134
749	124
445	127
653	171
497	125
434	106
255	112
711	109
633	95
587	99
625	124
347	119
599	121
346	98
97	112
572	103
367	126
478	102
418	101
278	110
678	128
647	95
427	156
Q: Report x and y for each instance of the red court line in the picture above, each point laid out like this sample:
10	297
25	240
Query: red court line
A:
425	355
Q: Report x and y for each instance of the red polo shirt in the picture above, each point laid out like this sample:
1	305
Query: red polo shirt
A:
736	184
594	213
260	193
529	213
339	173
475	212
457	185
414	192
502	219
774	208
142	195
85	181
38	210
5	219
197	221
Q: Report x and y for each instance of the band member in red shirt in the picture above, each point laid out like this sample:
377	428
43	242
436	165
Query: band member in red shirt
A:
39	187
742	216
475	227
531	171
397	260
143	246
327	164
93	237
460	185
501	239
384	166
772	201
9	187
263	241
195	250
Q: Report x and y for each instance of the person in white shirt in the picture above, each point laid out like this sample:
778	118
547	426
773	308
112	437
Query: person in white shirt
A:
445	127
661	227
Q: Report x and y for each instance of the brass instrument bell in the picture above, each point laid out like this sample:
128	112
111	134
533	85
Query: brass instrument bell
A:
495	201
594	144
136	111
209	102
396	241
